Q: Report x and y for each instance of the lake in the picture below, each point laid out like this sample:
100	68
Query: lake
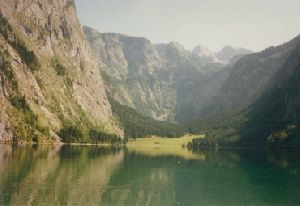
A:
93	175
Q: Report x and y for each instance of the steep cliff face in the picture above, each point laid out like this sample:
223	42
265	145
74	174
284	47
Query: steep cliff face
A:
48	70
130	67
159	81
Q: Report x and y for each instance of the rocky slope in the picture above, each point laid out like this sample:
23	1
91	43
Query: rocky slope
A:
49	75
161	81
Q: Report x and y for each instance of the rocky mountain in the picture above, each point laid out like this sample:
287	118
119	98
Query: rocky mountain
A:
229	54
258	103
49	76
51	84
161	81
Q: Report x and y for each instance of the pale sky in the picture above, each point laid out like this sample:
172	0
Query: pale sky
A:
252	24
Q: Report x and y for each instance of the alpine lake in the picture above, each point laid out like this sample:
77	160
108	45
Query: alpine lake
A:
147	176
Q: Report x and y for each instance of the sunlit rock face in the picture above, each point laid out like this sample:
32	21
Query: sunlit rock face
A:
161	81
51	30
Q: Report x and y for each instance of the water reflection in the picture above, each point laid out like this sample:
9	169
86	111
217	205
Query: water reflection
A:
85	175
220	178
57	175
167	151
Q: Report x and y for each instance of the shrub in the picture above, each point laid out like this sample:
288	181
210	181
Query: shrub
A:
71	134
19	102
6	68
79	134
59	68
25	123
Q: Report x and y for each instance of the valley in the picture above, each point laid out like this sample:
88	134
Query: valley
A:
149	103
63	82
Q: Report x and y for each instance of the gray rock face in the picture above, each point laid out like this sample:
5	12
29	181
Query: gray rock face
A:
51	29
130	67
230	54
161	81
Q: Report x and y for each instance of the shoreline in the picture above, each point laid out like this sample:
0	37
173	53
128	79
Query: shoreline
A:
60	143
151	144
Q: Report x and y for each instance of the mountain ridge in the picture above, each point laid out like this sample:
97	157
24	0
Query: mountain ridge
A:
229	54
56	77
151	78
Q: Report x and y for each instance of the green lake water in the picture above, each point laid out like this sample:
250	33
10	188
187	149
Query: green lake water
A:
90	175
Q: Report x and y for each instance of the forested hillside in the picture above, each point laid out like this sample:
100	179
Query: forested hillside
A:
269	118
137	125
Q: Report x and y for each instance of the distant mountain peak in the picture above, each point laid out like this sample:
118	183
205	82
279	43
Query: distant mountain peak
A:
229	53
176	45
204	53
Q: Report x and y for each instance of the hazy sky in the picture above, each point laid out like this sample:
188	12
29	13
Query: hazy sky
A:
253	24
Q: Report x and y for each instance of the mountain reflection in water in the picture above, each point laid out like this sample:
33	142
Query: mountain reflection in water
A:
92	175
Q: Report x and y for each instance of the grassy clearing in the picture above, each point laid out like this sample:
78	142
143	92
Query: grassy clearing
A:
157	146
